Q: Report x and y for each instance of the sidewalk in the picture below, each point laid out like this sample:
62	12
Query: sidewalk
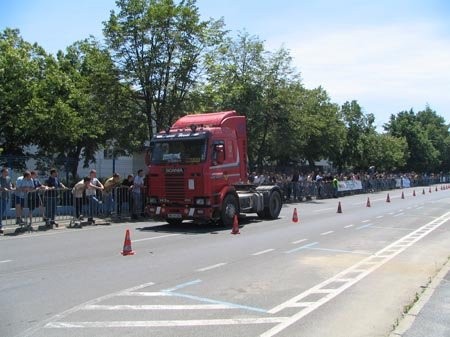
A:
430	316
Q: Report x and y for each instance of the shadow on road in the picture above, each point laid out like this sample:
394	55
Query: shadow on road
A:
189	227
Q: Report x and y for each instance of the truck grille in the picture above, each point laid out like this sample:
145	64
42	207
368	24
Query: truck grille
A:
175	189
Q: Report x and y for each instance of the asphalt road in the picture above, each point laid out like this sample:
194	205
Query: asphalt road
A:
330	274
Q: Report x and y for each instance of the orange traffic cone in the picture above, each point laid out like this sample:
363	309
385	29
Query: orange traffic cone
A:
423	191
403	195
436	189
235	229
339	210
414	193
388	199
294	216
368	202
127	245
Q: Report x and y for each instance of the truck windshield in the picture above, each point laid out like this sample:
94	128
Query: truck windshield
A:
188	151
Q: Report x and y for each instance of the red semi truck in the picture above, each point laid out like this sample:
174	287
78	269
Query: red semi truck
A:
198	171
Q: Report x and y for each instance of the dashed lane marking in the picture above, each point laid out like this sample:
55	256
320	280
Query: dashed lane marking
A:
156	237
338	251
348	226
327	233
263	252
5	261
212	267
323	210
364	226
302	247
299	241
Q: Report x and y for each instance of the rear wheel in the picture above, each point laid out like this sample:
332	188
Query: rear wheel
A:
229	210
273	209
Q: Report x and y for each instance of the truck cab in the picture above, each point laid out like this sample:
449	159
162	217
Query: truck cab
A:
198	171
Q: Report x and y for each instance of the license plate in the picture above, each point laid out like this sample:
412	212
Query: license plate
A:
174	216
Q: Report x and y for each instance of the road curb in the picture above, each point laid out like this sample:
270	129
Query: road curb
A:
408	319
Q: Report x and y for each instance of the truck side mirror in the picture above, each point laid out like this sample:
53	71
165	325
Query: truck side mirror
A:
219	154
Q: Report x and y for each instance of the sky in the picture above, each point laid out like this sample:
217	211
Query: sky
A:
389	55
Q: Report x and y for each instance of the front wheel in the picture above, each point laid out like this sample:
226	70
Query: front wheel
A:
229	210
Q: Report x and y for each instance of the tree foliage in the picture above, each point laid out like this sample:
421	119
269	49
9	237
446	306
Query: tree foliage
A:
159	46
20	71
418	130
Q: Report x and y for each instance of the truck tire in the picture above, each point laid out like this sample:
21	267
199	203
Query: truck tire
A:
229	210
273	208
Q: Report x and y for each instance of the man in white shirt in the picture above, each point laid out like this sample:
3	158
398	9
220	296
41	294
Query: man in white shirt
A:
91	195
137	192
24	185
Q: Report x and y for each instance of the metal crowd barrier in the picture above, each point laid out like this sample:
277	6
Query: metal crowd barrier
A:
306	190
55	206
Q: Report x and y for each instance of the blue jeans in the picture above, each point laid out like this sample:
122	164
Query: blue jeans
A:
109	203
3	205
137	203
50	208
93	204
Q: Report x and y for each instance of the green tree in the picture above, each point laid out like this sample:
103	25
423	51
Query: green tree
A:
437	131
160	46
234	81
384	151
423	156
81	105
319	126
358	127
20	67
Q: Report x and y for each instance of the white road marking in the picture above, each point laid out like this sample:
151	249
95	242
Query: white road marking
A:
302	247
183	285
298	241
348	226
157	307
32	331
144	293
323	210
365	221
380	216
326	233
5	261
399	214
263	252
212	267
148	324
351	275
156	237
364	226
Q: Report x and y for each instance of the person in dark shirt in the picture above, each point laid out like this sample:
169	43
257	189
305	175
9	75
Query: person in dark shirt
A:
53	185
5	190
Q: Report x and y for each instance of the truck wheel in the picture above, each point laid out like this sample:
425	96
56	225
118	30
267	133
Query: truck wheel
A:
273	209
229	210
174	222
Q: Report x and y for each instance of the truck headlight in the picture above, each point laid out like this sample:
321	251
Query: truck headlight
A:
200	201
